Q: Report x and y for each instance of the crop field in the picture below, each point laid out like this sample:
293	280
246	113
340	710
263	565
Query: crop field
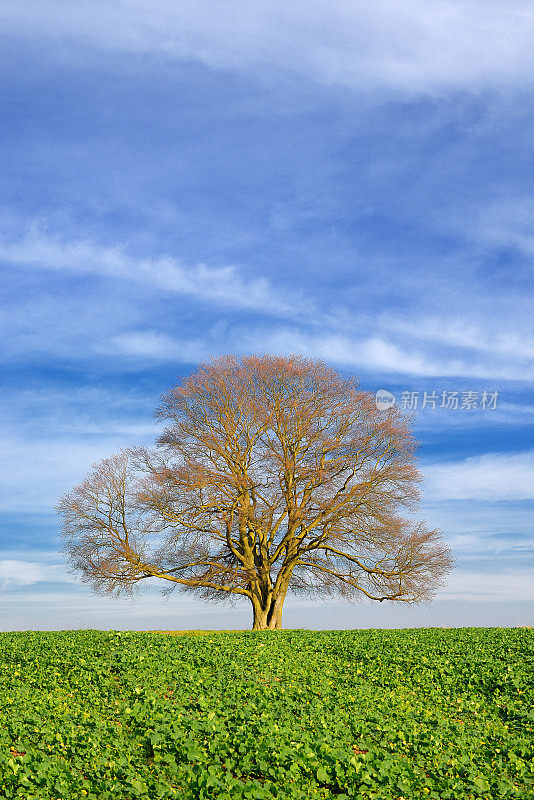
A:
432	713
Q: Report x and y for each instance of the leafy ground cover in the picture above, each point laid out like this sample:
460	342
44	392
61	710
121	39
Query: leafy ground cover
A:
434	713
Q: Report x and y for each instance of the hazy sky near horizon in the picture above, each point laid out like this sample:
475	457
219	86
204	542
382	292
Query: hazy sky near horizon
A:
347	180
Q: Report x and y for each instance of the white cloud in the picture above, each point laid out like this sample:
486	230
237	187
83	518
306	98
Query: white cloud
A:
374	353
377	353
403	44
490	477
151	344
42	469
442	420
96	324
487	527
220	285
71	413
485	335
506	223
26	573
486	547
488	587
469	599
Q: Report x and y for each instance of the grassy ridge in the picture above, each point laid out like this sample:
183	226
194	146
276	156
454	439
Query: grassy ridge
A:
293	714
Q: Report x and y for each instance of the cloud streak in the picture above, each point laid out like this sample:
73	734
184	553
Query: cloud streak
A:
405	45
379	353
221	285
15	573
383	343
489	587
41	469
489	478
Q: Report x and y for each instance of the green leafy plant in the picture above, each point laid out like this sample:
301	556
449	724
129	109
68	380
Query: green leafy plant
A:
373	715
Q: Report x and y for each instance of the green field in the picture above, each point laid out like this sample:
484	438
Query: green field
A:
432	713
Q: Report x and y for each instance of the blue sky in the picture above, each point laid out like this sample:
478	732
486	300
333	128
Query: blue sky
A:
351	180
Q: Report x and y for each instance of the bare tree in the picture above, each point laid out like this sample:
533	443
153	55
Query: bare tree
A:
273	474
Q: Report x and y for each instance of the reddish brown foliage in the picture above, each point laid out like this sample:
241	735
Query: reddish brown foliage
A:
273	474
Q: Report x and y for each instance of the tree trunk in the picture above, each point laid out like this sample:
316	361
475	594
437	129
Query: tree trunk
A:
268	616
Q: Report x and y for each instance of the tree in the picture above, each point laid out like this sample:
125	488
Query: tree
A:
273	474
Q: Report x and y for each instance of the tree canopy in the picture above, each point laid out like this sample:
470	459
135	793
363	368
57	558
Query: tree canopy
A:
274	474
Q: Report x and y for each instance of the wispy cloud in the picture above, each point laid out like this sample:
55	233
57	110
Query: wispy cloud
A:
404	44
444	421
490	477
376	354
15	573
484	335
483	587
222	285
155	345
383	343
386	352
41	469
470	598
